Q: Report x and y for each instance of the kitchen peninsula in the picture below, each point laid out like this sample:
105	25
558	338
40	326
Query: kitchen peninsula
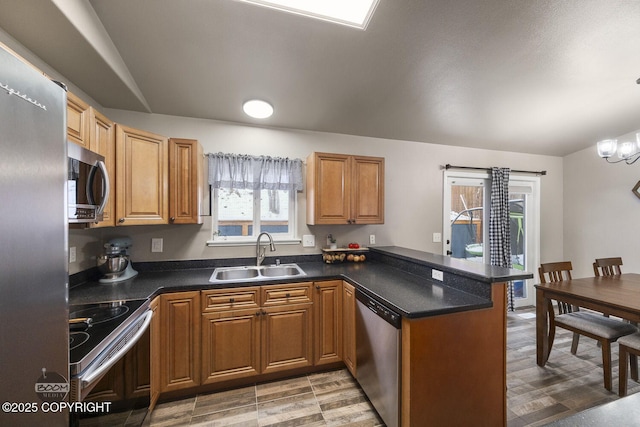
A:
453	331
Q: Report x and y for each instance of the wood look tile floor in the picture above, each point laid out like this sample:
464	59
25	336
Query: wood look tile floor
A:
535	396
322	399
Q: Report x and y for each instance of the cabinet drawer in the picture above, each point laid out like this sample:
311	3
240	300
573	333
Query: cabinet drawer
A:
290	293
230	299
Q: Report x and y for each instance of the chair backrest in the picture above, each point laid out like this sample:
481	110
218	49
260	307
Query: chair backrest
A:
555	271
607	266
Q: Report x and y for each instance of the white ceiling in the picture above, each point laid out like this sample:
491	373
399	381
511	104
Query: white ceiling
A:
536	76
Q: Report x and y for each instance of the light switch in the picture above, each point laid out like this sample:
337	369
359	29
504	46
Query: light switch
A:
437	238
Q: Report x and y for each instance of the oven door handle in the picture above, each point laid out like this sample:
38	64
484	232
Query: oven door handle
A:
92	376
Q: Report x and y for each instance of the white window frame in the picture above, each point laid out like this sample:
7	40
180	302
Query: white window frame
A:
280	238
516	182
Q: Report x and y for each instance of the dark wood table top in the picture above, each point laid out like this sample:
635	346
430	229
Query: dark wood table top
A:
615	294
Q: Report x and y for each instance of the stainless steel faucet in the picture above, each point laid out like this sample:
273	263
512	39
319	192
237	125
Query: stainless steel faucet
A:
260	251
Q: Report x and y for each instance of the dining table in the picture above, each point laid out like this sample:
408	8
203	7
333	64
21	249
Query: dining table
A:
617	295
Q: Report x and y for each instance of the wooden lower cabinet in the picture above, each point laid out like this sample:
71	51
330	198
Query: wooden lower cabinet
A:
328	321
230	345
256	330
128	378
286	338
349	326
156	350
468	387
179	341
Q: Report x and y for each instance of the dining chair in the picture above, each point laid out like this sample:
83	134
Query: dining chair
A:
607	266
602	329
629	351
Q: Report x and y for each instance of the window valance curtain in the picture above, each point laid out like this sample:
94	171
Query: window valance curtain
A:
254	172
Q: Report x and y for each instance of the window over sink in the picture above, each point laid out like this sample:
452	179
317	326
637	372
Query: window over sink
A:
242	214
251	195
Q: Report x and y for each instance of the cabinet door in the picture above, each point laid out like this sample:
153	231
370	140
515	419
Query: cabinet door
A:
327	304
77	120
328	189
102	140
156	350
286	337
344	189
137	373
349	326
368	190
142	177
186	181
180	340
230	345
111	387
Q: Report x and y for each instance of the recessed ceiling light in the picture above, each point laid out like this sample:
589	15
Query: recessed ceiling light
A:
354	13
257	109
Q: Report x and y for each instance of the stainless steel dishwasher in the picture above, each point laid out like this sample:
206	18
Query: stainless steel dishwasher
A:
378	356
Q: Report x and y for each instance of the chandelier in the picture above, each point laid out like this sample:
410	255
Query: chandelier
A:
628	152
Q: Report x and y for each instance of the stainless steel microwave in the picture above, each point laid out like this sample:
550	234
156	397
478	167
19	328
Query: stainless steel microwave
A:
87	185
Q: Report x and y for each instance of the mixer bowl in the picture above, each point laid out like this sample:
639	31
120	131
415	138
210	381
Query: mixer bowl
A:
112	265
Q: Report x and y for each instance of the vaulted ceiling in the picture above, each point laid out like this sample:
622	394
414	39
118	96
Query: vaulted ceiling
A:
536	76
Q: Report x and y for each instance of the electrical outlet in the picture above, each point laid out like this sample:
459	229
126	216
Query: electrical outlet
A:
437	274
372	239
308	241
156	244
72	254
437	238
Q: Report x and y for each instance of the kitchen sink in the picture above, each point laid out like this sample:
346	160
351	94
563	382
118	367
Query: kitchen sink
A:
255	273
281	270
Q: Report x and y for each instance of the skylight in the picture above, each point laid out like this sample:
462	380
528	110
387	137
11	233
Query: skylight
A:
353	13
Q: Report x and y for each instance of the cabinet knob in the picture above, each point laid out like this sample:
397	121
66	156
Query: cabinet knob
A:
232	300
287	295
172	219
318	287
121	220
264	312
258	313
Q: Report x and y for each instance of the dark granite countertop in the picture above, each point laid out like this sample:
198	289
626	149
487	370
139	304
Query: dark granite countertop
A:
461	267
413	294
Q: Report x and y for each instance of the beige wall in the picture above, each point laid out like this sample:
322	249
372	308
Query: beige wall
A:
601	214
413	189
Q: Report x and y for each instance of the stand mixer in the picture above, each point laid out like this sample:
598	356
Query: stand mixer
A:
115	264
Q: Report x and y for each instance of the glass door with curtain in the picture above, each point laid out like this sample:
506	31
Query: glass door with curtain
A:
466	220
465	228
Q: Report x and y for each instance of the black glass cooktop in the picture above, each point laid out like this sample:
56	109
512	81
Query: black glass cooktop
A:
106	322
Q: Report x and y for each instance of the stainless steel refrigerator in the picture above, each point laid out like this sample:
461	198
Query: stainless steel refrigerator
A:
34	334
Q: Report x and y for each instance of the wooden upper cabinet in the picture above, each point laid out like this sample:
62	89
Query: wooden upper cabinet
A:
186	181
142	172
367	206
344	189
102	140
77	120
